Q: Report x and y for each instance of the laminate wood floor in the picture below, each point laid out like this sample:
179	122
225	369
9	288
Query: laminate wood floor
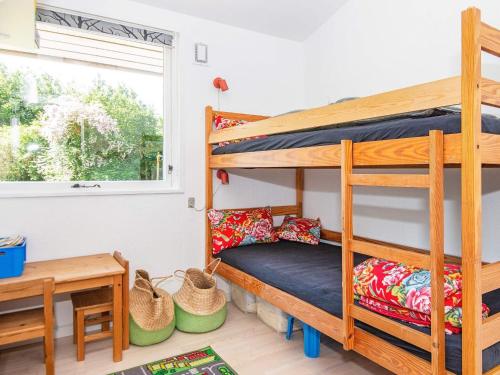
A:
244	342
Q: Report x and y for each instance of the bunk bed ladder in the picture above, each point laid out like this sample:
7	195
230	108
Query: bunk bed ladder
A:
434	261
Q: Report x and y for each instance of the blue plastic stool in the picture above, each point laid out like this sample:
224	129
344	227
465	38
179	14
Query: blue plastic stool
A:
311	338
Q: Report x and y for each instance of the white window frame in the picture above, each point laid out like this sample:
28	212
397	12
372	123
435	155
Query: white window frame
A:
171	144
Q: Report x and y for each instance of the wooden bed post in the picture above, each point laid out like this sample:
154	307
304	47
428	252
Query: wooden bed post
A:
347	237
209	200
471	192
436	224
299	190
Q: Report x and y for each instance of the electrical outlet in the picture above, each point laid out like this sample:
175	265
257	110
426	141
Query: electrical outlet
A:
191	202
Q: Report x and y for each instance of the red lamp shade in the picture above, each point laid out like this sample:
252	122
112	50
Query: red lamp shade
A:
221	84
223	176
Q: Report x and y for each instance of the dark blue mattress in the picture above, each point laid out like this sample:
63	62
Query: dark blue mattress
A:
417	125
314	274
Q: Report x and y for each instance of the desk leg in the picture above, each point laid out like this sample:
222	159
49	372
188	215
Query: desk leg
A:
117	318
126	303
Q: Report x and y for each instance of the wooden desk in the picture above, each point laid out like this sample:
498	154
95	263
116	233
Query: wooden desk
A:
86	272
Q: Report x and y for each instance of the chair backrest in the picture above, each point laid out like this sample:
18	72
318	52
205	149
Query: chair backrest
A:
120	259
24	289
124	263
125	296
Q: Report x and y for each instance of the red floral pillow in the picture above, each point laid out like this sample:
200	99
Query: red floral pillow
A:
404	292
300	229
232	228
224	123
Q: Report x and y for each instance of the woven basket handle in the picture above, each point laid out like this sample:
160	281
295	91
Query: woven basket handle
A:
161	279
181	274
138	277
217	261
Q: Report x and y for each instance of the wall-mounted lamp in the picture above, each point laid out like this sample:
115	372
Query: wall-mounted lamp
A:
223	176
221	84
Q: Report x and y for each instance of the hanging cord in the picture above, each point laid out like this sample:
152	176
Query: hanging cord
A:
213	195
218	187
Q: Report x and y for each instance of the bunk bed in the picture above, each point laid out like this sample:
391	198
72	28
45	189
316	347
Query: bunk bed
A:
465	140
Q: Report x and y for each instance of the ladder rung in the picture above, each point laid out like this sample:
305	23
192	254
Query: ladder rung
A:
390	180
490	277
490	331
399	330
490	92
390	253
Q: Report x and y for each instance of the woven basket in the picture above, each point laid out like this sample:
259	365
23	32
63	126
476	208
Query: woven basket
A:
198	294
141	337
191	323
151	310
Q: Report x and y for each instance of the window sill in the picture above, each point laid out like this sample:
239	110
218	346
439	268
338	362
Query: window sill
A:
88	192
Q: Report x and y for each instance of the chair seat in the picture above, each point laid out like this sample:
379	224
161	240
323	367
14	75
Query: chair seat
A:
21	325
92	299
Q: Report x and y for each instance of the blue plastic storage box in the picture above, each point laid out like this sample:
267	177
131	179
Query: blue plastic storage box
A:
12	260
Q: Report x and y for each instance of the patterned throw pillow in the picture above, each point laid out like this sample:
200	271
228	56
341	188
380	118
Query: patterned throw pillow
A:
299	229
224	123
402	285
232	228
404	292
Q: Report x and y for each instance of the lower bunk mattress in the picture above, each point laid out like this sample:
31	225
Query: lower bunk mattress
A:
314	274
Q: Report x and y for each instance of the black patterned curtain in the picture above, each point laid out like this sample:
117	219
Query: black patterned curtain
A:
96	25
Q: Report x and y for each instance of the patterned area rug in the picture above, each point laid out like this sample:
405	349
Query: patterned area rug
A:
200	362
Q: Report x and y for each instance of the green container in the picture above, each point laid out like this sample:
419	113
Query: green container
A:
191	323
142	337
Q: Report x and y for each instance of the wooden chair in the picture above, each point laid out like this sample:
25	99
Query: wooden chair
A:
29	324
95	307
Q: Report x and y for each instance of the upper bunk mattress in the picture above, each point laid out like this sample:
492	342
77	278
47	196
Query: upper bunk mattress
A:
409	126
314	274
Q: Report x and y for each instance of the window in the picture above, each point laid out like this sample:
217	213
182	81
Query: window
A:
87	109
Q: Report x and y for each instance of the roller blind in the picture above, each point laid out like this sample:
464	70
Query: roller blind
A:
99	48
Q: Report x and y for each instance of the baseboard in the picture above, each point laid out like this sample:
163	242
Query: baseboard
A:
64	330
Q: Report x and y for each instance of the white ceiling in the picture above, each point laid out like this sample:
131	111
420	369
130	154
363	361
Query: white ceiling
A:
290	19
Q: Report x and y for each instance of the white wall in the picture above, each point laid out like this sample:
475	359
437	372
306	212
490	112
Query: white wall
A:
367	47
375	46
158	232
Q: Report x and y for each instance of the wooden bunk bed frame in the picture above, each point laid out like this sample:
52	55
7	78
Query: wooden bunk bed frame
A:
469	150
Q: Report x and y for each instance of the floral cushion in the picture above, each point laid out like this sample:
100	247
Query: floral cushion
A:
224	123
232	228
404	292
300	229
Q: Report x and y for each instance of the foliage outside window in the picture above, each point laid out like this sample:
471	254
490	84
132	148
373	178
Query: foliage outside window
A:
99	118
